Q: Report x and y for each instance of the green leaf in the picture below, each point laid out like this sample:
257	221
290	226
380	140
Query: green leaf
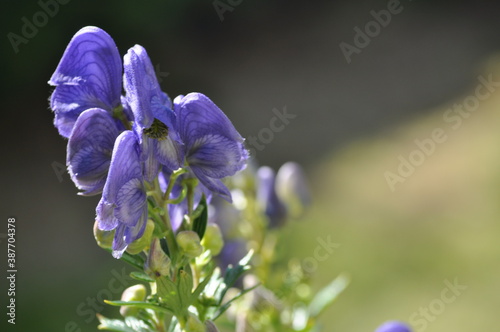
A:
113	325
202	285
169	293
139	304
234	273
141	276
200	215
327	295
185	286
164	247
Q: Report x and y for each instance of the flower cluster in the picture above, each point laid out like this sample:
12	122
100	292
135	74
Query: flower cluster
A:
174	203
124	144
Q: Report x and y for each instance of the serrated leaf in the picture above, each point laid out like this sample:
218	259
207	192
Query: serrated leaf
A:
185	286
327	295
234	273
141	276
169	293
167	289
200	215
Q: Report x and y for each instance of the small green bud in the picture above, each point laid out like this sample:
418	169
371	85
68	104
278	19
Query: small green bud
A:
143	242
189	242
104	239
213	240
158	263
133	293
194	325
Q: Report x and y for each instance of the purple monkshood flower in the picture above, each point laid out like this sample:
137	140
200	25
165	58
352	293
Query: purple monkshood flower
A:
123	205
273	207
213	148
89	150
89	75
155	121
393	326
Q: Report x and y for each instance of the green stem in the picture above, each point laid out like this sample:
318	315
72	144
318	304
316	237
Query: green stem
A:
180	198
191	185
170	236
171	183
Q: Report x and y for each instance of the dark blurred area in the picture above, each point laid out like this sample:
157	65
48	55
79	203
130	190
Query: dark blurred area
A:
264	55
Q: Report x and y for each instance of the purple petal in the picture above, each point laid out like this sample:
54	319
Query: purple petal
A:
214	185
169	153
88	75
89	150
64	122
125	165
198	116
119	244
126	108
166	115
135	232
216	156
130	202
176	213
140	84
150	163
105	216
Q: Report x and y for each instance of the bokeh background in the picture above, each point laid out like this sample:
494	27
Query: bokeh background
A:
353	121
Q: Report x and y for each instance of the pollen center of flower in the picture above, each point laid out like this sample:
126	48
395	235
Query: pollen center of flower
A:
158	130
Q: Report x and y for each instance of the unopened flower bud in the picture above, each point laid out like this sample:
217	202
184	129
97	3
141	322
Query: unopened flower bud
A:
133	293
158	263
194	325
104	239
393	326
189	242
143	242
212	240
292	188
210	326
270	203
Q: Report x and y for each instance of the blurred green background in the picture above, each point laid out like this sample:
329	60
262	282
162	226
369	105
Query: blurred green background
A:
353	121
